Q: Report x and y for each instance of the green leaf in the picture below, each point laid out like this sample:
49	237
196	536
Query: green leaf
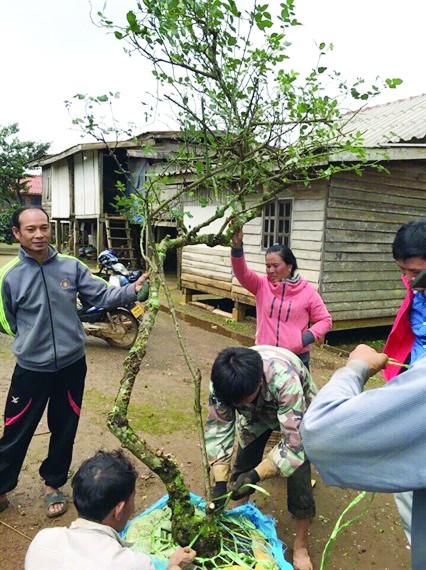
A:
131	18
256	488
393	83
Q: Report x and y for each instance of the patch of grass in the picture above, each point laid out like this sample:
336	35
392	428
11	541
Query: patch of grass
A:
145	418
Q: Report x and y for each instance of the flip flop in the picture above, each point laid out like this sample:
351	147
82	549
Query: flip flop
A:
55	498
4	503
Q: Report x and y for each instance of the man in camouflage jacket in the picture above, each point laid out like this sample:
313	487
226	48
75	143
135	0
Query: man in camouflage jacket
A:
253	392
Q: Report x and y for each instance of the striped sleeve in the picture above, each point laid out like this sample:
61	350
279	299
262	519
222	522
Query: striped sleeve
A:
7	318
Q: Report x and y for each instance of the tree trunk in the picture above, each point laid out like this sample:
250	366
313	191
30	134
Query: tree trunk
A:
186	527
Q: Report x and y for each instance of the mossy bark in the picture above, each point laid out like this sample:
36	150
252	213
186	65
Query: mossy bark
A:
186	526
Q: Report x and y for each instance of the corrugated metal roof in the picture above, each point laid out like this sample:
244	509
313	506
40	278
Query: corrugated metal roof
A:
34	185
397	122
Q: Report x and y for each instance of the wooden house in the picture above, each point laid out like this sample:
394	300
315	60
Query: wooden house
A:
80	187
340	230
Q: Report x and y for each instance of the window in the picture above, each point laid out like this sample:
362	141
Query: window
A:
276	223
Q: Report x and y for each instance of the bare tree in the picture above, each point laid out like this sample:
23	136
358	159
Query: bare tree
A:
250	127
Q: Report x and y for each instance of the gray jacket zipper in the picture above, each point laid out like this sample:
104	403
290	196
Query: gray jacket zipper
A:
50	317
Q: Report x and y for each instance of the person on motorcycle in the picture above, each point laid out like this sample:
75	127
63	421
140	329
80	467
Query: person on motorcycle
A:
38	292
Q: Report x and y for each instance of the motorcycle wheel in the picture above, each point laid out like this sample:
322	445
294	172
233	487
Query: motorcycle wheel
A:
125	321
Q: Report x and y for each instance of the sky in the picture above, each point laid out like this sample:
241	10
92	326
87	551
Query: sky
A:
51	50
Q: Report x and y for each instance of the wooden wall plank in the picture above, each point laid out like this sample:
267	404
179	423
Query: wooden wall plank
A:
358	246
335	277
301	205
359	256
347	203
394	282
395	183
299	245
308	215
374	267
204	271
198	279
307	225
363	314
332	297
355	225
211	261
346	190
307	235
362	215
306	255
363	305
364	237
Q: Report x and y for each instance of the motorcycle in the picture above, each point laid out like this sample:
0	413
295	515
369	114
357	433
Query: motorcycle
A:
118	327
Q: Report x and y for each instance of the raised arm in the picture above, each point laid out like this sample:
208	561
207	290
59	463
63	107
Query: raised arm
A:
246	277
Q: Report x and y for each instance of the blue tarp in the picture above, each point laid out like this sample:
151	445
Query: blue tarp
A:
264	523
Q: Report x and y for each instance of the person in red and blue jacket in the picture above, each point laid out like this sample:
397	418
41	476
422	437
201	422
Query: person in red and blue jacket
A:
407	339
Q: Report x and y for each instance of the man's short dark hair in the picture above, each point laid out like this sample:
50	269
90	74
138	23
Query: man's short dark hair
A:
236	374
101	483
410	240
18	212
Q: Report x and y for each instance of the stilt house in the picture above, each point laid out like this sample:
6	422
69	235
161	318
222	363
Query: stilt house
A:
80	188
340	230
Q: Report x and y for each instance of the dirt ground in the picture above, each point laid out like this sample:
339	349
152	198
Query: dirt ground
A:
162	410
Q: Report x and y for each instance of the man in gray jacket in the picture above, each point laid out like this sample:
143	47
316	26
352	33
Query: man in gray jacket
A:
38	291
373	440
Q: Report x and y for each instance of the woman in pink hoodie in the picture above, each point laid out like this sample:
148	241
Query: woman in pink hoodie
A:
290	312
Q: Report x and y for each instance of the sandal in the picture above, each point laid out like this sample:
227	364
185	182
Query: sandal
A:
55	498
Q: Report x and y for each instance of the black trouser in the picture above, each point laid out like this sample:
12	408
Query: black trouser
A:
28	396
305	357
300	495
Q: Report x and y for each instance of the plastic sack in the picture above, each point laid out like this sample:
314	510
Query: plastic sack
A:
263	523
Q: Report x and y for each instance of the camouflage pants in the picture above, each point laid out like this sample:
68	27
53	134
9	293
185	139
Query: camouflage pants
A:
300	495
